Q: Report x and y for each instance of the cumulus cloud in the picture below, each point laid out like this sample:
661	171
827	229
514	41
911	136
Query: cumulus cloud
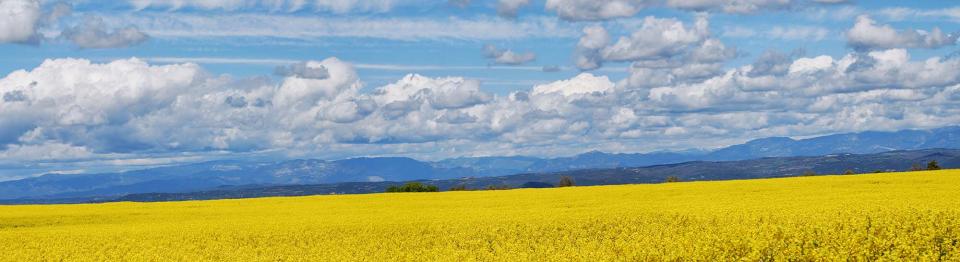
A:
93	33
657	38
21	21
507	56
80	108
661	51
772	62
584	83
587	55
18	20
867	34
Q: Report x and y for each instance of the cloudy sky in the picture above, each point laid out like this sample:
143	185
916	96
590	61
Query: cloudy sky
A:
95	85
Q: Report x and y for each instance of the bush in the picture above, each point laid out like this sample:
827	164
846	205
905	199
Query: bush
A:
672	179
413	187
849	172
933	165
566	181
809	173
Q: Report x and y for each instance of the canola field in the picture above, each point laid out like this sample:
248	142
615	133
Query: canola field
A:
911	216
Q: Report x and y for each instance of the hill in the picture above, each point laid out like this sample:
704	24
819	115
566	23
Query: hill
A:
891	217
218	175
690	171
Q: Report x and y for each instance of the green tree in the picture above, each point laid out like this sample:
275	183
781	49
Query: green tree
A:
849	172
413	187
566	181
809	173
672	179
933	165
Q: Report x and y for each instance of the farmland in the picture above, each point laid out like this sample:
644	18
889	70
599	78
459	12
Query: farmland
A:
892	216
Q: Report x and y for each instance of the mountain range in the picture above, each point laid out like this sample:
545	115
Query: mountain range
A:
260	174
770	167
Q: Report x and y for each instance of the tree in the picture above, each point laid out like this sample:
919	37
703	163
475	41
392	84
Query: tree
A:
460	187
413	187
809	173
933	165
566	181
849	172
672	179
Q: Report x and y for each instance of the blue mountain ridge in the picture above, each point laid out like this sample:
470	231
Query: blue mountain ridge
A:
217	174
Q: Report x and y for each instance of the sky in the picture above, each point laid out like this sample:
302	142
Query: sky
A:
95	86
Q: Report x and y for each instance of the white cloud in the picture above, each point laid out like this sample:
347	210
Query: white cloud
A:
334	6
659	44
903	13
128	106
587	55
176	25
584	83
730	6
44	151
866	34
802	33
657	38
18	20
93	33
507	56
596	10
791	33
612	9
303	70
509	8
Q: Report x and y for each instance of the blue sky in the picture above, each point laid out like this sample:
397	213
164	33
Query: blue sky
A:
92	86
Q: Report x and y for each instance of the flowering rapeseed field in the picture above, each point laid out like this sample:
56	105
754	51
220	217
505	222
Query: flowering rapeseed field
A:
897	216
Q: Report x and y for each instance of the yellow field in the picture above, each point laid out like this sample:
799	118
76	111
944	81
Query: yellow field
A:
899	216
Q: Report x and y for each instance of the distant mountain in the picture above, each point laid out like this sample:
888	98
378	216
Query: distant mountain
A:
203	176
855	143
213	175
690	171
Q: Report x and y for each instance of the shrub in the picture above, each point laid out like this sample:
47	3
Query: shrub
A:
933	165
849	172
566	181
413	187
672	179
809	173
